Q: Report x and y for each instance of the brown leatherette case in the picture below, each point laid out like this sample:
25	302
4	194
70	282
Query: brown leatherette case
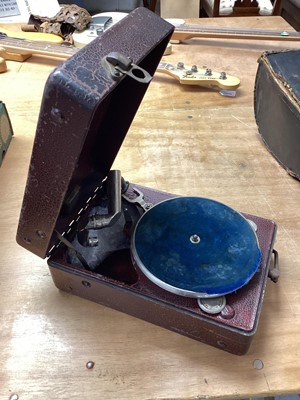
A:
84	117
125	288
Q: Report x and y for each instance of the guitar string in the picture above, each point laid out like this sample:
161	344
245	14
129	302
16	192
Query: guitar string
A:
235	31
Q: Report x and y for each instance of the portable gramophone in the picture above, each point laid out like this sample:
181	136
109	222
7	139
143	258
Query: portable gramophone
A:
188	264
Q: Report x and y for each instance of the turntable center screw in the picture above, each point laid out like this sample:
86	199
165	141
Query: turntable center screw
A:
195	239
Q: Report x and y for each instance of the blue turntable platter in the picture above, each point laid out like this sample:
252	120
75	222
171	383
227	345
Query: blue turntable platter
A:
195	247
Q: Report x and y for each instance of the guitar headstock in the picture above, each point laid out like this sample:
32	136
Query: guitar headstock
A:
199	76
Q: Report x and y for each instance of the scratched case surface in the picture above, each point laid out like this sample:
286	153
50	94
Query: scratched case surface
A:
84	117
278	120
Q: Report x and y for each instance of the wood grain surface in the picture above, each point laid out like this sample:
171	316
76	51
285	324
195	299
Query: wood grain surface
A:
186	140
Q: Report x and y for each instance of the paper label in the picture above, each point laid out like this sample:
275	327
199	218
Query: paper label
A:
9	8
20	10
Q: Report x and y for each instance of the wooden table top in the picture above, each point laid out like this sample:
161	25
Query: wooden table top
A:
186	140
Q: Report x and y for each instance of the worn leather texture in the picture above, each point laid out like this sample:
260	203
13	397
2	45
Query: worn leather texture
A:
277	106
84	117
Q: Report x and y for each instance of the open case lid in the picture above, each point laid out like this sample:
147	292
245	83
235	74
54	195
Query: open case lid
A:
87	108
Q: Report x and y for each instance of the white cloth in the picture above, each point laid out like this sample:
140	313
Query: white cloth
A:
265	7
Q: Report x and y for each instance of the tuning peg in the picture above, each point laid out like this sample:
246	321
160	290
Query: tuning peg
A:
194	68
223	75
180	65
208	72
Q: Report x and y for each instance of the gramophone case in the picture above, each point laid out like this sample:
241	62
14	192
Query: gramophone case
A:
88	105
277	106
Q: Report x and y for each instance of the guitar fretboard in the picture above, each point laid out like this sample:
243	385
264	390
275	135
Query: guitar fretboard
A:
187	31
34	47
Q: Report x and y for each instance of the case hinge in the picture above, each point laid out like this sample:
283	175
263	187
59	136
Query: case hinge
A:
118	65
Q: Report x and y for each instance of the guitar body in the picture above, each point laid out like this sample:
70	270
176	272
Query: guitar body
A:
83	38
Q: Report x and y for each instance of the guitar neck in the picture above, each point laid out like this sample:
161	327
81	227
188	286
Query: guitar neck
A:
23	46
186	31
182	32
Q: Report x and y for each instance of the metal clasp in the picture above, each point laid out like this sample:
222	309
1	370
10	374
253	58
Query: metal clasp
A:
139	199
274	272
119	65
